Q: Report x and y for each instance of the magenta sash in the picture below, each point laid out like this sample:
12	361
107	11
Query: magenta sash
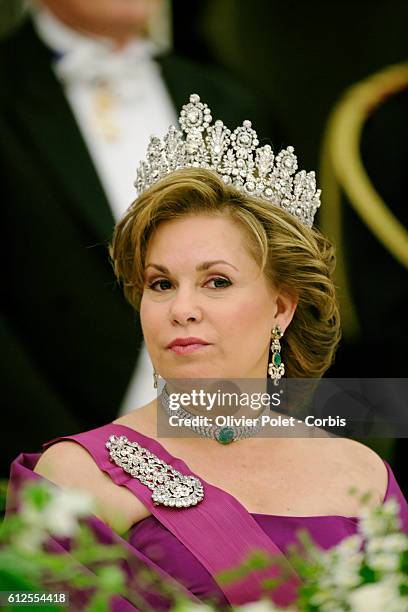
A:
219	531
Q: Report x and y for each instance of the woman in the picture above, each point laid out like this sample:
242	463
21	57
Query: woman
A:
219	256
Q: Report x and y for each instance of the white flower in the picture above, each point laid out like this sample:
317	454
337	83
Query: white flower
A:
341	565
264	605
191	606
332	606
60	523
377	597
383	552
380	520
384	562
392	543
390	507
350	546
346	577
74	502
64	510
58	517
30	540
33	517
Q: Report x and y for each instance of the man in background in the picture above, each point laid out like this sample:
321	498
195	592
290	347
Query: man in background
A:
81	91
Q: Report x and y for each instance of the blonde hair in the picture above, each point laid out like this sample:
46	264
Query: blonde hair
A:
298	260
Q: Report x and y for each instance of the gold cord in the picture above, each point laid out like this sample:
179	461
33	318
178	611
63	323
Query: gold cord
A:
342	171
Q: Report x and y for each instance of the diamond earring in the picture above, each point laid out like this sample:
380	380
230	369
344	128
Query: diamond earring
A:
276	368
155	379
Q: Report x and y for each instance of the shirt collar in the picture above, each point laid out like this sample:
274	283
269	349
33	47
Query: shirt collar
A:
62	39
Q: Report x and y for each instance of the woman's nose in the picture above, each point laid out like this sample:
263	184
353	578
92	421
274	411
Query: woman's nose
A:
185	308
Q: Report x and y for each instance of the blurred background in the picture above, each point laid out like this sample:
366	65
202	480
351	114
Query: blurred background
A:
301	62
300	56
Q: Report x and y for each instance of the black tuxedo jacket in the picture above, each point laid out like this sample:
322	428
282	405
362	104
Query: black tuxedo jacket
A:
69	342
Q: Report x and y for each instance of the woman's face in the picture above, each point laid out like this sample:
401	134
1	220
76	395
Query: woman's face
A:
203	286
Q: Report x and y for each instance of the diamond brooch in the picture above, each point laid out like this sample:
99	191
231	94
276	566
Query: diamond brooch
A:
169	487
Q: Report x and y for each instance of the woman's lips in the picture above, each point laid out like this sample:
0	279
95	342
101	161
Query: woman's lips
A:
188	348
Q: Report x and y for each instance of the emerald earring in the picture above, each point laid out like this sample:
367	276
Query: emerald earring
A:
276	368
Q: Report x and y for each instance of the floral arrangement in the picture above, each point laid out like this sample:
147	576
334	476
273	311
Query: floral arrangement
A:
366	572
51	521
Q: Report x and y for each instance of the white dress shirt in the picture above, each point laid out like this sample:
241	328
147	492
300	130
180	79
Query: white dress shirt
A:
119	100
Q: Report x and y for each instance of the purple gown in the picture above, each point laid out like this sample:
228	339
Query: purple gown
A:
153	539
191	546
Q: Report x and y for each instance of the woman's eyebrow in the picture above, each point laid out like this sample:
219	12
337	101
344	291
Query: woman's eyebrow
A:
202	266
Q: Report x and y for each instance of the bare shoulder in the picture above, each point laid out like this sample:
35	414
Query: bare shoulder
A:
68	464
142	419
362	466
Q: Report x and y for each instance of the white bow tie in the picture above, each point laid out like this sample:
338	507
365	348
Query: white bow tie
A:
92	63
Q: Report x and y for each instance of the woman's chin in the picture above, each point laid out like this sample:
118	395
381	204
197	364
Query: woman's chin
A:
197	373
189	371
193	373
194	368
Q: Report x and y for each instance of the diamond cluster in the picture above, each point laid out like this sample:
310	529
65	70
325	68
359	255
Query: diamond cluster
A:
235	156
170	487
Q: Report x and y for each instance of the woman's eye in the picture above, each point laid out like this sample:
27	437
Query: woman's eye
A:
160	283
163	284
220	282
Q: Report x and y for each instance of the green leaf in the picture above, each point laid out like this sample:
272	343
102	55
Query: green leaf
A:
13	581
270	583
85	536
3	493
11	525
99	552
185	605
365	497
404	562
11	564
37	494
111	579
403	589
232	575
258	560
83	581
98	603
367	574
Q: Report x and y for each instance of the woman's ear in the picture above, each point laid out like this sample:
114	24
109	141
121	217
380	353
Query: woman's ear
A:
285	306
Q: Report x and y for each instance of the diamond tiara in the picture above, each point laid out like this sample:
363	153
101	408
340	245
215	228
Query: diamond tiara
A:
235	157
